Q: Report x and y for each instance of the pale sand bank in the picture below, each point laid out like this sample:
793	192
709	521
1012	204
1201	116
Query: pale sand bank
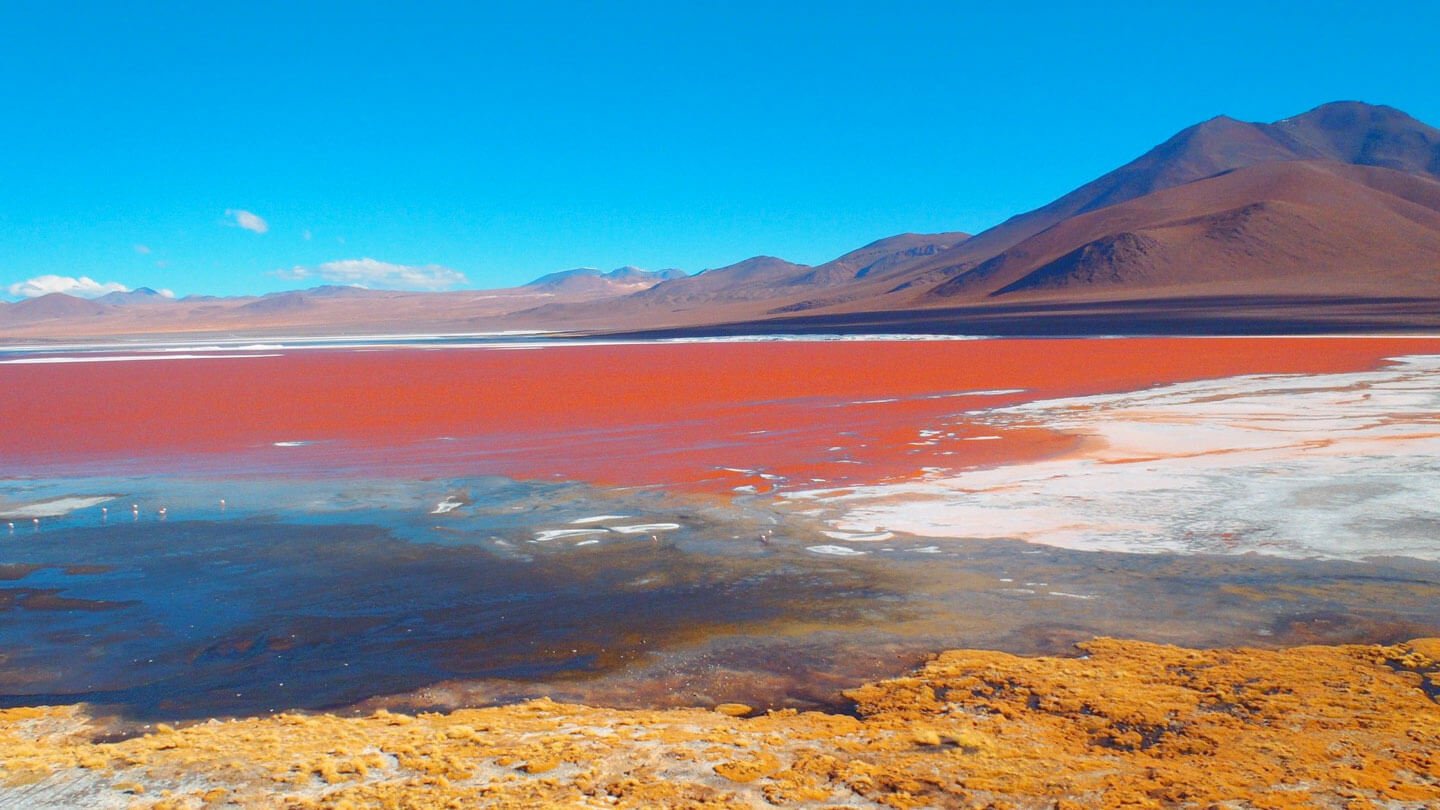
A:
1330	465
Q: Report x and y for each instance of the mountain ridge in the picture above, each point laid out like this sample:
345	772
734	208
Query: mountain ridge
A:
1341	202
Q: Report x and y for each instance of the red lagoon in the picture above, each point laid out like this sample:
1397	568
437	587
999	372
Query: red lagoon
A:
696	416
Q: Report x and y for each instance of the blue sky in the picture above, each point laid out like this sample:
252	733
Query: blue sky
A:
482	145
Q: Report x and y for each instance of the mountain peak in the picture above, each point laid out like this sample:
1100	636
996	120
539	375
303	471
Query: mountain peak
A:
561	275
338	290
630	274
754	264
1366	135
590	279
139	295
54	305
1343	131
1340	111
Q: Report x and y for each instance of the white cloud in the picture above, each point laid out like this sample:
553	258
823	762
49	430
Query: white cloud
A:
164	293
83	287
143	250
248	220
381	275
296	273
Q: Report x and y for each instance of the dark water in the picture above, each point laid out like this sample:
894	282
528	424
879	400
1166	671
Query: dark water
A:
269	605
200	618
325	594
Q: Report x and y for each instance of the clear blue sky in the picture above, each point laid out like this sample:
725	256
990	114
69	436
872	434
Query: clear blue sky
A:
503	144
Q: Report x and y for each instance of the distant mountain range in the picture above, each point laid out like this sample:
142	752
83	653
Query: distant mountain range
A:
617	281
1327	221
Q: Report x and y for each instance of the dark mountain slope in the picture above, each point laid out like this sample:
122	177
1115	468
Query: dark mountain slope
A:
1345	132
1271	229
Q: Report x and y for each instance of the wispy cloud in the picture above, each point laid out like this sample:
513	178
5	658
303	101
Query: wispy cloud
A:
83	287
296	273
307	235
247	220
379	275
143	250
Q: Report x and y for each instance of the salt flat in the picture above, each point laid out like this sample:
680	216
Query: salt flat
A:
1325	465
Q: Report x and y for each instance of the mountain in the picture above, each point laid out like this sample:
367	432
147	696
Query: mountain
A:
53	306
881	257
341	291
277	303
139	295
589	280
1345	132
752	278
326	309
1365	135
1341	197
845	278
1273	228
1340	202
748	289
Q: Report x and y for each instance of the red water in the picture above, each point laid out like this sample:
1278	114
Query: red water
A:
664	414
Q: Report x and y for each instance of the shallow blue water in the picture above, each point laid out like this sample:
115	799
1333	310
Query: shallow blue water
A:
303	592
313	595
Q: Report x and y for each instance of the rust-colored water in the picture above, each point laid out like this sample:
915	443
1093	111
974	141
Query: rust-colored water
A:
673	415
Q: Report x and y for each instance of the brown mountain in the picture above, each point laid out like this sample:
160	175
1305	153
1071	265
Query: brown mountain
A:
879	259
53	307
1341	203
749	289
1312	227
1344	132
753	278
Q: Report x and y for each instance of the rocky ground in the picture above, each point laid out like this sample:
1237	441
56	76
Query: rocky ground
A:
1125	724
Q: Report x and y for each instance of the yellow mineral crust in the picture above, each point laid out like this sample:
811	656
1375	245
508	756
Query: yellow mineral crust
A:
1127	724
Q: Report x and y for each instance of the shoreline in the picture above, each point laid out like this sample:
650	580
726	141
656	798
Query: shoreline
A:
1179	316
1126	724
1345	455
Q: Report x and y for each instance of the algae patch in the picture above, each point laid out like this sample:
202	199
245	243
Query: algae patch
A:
1127	724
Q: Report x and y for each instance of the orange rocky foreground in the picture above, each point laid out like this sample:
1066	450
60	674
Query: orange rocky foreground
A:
1129	724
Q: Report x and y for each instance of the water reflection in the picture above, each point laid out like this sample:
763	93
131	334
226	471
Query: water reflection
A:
301	593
